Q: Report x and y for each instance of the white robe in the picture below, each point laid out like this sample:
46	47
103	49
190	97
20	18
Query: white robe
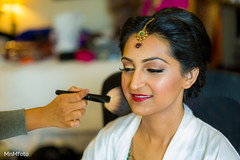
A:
194	140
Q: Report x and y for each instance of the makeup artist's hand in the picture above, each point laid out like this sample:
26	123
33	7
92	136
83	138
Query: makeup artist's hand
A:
64	111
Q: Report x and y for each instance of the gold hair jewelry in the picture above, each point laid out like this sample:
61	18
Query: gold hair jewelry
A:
141	35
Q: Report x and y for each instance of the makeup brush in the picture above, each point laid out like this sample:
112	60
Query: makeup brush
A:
118	104
89	96
114	101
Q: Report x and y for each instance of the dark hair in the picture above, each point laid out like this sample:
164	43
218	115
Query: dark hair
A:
186	34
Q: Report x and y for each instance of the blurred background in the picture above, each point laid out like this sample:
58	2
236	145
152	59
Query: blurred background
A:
90	27
55	44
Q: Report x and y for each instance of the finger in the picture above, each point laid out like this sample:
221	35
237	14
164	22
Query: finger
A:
74	97
71	124
83	111
79	90
74	123
77	105
81	94
64	111
73	88
77	114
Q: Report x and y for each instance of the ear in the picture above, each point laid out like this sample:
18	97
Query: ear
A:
190	78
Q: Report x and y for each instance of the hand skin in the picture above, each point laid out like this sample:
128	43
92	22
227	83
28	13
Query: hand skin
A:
64	111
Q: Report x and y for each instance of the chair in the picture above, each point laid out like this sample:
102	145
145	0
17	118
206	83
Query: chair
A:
218	103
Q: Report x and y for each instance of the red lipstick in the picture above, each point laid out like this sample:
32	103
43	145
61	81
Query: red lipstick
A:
140	97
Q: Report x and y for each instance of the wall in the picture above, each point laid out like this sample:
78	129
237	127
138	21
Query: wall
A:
27	86
40	13
231	41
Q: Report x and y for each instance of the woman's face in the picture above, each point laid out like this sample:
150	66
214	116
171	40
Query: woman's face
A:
151	78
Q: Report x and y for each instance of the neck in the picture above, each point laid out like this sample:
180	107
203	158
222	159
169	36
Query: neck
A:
161	127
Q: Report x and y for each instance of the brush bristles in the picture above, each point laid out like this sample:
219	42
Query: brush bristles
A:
118	104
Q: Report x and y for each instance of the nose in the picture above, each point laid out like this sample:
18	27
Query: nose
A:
137	80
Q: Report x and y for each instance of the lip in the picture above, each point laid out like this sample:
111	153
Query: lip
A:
140	97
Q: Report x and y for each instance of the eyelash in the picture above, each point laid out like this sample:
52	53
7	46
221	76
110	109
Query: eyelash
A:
149	70
126	69
155	70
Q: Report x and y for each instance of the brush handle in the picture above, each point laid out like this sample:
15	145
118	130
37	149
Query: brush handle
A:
90	97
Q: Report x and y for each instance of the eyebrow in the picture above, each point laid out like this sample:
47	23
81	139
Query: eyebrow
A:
127	59
145	60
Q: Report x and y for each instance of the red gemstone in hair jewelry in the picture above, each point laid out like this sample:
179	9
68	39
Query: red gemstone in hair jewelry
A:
138	45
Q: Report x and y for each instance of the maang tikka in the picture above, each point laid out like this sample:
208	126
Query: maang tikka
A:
141	35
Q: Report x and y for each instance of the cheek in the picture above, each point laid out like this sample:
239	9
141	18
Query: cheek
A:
125	83
166	87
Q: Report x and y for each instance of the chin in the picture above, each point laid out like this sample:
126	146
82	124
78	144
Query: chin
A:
140	110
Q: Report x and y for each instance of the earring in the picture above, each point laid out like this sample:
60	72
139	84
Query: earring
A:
189	75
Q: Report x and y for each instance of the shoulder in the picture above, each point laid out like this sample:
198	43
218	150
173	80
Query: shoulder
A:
212	141
216	142
201	128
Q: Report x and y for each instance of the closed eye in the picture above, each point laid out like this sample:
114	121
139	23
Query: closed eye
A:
126	69
155	70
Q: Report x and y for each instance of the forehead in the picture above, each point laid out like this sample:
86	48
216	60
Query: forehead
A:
153	45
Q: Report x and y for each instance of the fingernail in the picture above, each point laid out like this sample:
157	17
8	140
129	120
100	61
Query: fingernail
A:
87	90
73	124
